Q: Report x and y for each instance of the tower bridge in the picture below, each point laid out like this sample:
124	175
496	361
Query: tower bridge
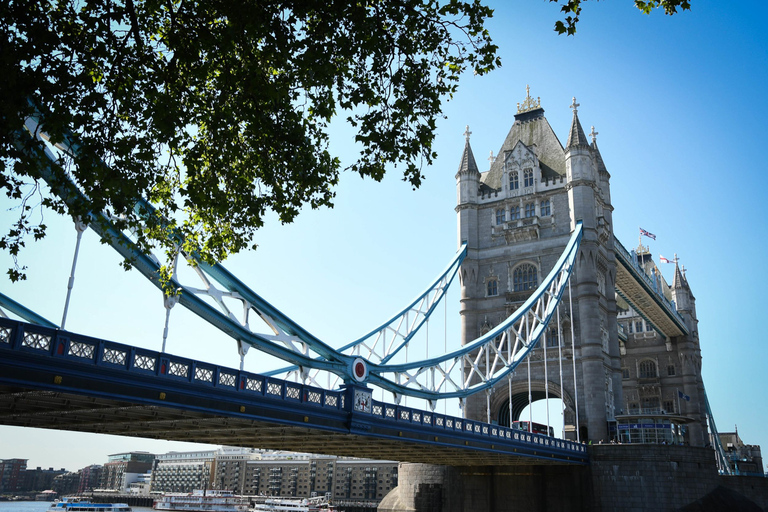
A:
552	305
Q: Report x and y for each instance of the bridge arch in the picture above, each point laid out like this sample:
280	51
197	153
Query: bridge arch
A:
500	399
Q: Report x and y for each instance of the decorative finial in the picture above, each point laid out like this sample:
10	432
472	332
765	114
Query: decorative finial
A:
467	133
490	158
575	106
528	104
593	134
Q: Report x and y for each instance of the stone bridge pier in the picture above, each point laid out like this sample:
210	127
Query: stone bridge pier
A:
620	478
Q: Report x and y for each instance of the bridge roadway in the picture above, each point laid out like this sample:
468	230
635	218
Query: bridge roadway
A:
61	380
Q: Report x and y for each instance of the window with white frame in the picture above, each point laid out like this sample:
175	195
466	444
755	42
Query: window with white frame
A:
492	287
514	213
545	209
530	210
514	181
500	216
525	277
528	178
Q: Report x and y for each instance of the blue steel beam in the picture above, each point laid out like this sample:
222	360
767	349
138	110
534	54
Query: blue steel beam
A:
519	334
133	391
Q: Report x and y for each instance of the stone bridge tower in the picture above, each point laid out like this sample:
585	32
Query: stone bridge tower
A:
516	219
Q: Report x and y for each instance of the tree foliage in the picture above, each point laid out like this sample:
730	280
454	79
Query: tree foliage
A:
572	11
217	111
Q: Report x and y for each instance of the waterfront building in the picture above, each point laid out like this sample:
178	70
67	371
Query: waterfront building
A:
66	483
183	471
360	479
516	218
122	469
142	485
90	477
39	479
12	474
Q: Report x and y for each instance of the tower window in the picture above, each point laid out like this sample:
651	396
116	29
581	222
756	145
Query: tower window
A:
493	287
514	213
530	210
625	373
500	216
545	209
671	370
647	369
528	178
525	278
514	181
639	326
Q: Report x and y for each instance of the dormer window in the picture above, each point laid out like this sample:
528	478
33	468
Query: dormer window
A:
514	181
528	178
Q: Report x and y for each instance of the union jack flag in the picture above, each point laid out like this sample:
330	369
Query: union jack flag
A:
648	234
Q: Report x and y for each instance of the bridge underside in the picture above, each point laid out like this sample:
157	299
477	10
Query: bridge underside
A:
68	411
635	290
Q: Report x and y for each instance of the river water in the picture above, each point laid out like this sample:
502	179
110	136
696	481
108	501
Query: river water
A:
42	506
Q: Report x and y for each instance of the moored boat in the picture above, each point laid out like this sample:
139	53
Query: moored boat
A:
84	505
203	501
291	505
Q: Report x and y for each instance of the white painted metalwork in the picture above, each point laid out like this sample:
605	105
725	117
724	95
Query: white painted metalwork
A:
80	227
221	299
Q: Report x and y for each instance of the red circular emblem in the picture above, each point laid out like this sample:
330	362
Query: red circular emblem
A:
360	369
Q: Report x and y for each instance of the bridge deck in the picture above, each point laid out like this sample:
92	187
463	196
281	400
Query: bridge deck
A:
637	288
60	380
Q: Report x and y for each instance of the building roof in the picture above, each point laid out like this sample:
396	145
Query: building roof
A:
532	129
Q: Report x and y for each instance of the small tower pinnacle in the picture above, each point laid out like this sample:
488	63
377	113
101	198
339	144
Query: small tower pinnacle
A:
467	133
576	136
594	135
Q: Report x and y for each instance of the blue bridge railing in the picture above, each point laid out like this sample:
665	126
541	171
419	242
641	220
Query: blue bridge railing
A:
122	361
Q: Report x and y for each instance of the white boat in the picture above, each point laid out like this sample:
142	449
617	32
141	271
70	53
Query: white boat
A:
291	505
84	505
203	501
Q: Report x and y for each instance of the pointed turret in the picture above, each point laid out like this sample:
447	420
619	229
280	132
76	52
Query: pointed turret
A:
576	136
678	281
467	185
598	157
468	164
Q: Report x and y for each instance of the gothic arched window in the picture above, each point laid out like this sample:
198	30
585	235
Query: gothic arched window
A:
514	181
500	216
514	213
647	369
528	178
525	278
492	287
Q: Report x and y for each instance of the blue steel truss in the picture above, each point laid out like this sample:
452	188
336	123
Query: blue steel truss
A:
480	363
48	359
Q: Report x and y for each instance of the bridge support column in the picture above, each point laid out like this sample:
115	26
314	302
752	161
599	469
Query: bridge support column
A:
428	488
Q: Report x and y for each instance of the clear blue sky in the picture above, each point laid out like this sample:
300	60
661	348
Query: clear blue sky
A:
680	105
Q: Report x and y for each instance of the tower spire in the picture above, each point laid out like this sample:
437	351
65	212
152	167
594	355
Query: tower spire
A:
576	136
468	163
